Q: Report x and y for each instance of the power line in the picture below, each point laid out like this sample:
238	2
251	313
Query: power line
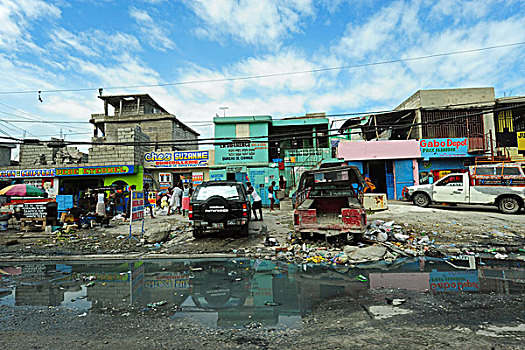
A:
260	76
284	118
280	137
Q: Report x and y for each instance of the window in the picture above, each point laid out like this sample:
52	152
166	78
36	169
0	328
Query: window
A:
453	180
485	171
509	171
226	191
242	130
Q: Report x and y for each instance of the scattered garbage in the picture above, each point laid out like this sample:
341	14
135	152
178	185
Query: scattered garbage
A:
157	304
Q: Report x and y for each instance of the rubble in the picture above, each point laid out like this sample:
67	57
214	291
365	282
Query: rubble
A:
158	233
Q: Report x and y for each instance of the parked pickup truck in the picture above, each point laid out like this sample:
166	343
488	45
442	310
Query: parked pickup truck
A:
502	185
328	202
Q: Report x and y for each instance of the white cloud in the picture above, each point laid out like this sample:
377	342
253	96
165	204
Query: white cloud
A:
155	34
16	17
256	22
94	42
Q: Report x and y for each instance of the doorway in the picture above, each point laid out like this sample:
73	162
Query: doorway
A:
377	173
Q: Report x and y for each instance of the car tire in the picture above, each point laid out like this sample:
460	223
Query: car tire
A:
509	205
421	200
219	213
198	233
245	230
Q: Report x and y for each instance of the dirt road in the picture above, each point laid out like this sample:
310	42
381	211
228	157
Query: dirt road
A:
445	225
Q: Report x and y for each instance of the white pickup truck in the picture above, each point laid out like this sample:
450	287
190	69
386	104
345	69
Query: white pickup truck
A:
502	185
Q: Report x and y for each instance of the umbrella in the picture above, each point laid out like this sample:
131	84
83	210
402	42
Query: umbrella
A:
22	190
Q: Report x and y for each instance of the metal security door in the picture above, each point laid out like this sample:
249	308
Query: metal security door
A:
404	175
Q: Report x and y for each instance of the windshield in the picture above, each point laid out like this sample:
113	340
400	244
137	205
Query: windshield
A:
226	191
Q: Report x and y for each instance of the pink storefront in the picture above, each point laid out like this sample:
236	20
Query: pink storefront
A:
391	165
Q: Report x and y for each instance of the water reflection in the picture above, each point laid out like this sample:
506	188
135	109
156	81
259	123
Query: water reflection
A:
236	292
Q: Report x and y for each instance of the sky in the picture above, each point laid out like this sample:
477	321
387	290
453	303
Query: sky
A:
115	45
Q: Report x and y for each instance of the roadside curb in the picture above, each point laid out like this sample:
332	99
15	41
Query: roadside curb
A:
147	256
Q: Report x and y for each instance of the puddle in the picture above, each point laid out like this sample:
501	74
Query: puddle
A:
233	293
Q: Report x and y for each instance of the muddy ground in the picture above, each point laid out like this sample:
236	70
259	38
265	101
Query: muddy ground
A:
424	321
457	228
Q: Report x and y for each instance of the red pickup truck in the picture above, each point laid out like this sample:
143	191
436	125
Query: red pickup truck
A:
329	202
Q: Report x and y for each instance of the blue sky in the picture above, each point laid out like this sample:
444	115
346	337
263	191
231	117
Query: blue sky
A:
59	44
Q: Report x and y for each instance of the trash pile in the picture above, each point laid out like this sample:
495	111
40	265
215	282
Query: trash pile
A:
382	241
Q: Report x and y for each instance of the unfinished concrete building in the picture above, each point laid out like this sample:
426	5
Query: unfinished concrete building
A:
165	131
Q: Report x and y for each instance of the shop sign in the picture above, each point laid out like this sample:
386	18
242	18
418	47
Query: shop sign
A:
137	206
241	152
34	210
96	170
454	281
450	147
197	178
521	141
27	173
177	159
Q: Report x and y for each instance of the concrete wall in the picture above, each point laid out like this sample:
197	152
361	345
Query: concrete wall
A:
30	155
116	154
158	127
5	156
468	97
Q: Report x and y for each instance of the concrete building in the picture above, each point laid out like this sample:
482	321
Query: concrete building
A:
452	127
259	149
141	110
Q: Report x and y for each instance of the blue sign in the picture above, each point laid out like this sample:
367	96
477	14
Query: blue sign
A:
454	281
451	147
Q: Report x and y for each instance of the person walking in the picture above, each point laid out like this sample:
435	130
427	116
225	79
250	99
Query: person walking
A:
147	204
185	199
271	195
176	199
282	184
257	202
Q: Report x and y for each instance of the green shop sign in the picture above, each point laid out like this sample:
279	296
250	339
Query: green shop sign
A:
96	170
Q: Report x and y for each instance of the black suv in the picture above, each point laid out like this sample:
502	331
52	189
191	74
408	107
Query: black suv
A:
220	206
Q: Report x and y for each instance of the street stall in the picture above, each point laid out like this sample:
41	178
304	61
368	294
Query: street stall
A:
76	181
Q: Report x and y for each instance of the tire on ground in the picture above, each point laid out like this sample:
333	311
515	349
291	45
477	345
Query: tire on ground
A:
509	205
421	200
198	233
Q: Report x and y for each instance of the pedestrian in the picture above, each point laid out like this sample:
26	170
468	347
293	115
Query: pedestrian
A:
271	195
430	177
176	198
147	204
185	199
282	184
257	201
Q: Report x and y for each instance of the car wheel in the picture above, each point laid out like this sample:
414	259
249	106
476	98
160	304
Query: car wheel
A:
245	230
215	209
421	200
509	205
198	233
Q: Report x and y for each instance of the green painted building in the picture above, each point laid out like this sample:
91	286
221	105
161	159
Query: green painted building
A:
259	149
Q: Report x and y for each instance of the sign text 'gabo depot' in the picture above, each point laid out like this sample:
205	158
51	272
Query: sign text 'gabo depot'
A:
450	147
95	170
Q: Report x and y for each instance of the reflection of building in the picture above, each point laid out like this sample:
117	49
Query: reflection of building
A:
502	277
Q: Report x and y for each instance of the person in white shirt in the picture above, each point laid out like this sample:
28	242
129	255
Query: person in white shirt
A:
176	199
257	201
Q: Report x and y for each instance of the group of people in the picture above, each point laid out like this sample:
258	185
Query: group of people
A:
177	199
257	201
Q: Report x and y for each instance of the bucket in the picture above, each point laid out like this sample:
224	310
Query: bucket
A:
3	225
